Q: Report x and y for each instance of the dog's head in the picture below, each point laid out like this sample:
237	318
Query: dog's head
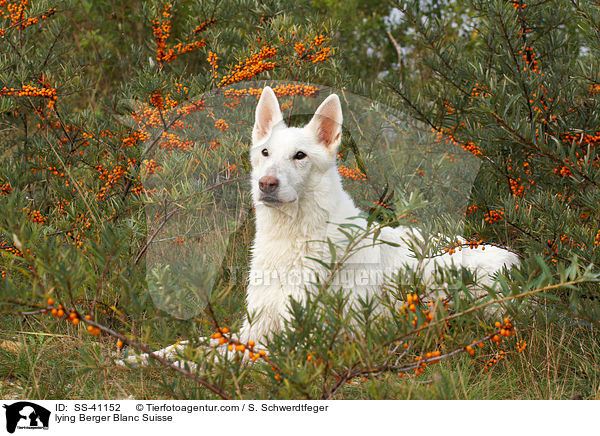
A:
288	161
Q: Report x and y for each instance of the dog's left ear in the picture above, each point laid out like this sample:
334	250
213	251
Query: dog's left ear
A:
326	124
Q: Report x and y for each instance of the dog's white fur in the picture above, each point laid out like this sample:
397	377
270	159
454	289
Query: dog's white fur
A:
294	219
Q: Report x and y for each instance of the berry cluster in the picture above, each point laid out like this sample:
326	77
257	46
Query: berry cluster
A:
70	315
248	350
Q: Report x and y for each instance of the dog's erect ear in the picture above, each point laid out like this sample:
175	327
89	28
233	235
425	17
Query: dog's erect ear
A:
327	122
268	115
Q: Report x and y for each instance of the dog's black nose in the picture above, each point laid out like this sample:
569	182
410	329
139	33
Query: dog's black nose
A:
268	184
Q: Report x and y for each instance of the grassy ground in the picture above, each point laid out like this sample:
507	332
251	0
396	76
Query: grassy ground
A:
561	362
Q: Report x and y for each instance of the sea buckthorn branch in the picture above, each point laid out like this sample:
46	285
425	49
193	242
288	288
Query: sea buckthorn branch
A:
468	146
32	91
289	90
529	58
233	345
411	301
159	136
590	20
172	212
13	252
328	352
505	329
155	233
487	304
26	22
259	62
501	354
66	169
95	328
493	215
418	25
253	353
421	362
533	146
352	173
250	67
353	246
517	64
161	29
459	246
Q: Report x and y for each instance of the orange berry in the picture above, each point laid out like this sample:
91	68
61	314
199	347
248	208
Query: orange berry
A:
309	357
498	324
240	348
230	347
90	328
60	313
119	343
251	344
222	341
88	317
225	330
54	312
75	321
50	301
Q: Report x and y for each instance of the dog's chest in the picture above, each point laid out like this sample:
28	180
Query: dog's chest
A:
281	268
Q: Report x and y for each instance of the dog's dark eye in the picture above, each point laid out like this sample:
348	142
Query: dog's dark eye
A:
265	152
300	155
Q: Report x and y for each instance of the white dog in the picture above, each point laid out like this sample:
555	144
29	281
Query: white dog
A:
300	203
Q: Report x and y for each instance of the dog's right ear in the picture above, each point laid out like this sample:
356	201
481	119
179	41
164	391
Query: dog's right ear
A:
268	115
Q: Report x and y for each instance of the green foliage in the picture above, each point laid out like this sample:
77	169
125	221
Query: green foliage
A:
519	91
149	234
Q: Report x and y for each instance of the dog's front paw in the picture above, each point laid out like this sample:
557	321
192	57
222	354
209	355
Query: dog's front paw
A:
171	353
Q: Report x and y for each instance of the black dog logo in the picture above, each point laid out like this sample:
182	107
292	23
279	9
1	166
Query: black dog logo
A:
29	415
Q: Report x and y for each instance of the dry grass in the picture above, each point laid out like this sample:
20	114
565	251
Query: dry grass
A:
560	362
